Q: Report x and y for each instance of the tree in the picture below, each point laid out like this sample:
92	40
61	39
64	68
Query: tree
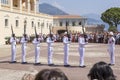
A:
112	28
111	16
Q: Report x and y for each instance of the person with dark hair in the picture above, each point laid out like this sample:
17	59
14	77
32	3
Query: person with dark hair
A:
51	74
101	71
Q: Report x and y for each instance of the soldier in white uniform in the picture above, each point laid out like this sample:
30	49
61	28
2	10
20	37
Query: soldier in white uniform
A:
36	43
66	43
24	41
82	43
13	41
50	42
111	48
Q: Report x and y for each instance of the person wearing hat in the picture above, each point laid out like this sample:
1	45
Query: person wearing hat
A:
24	41
50	41
36	43
82	43
13	41
66	43
111	48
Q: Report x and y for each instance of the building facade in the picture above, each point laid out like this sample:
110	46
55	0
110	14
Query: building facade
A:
74	23
16	12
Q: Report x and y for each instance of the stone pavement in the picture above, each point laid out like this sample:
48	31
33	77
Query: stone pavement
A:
94	53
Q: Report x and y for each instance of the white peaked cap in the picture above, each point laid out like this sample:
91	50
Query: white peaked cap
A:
111	33
65	32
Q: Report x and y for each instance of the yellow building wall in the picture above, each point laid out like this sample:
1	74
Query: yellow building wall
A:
13	16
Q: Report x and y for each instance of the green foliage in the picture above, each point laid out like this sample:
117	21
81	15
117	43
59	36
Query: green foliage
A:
111	16
112	28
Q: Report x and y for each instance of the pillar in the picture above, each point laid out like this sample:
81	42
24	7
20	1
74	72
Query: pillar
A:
11	5
35	6
20	6
28	6
0	4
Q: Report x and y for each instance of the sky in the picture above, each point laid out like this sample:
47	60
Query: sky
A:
82	7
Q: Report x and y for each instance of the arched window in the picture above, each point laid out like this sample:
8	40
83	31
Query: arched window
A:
6	22
79	23
32	24
61	24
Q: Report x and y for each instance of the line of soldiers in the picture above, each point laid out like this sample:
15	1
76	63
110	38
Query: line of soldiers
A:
50	40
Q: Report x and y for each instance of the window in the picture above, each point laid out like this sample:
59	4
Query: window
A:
6	22
79	23
47	25
73	23
32	24
4	1
17	23
38	24
42	25
61	24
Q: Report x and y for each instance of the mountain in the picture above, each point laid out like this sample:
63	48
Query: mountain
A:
51	10
95	19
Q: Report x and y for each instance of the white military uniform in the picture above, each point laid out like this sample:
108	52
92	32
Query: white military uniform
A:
13	49
36	43
24	44
111	48
66	43
50	50
82	43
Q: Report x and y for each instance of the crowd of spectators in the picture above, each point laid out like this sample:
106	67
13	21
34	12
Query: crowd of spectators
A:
92	37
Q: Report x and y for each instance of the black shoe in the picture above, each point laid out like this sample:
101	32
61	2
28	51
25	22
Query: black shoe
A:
111	64
51	64
67	65
13	61
37	63
24	63
82	66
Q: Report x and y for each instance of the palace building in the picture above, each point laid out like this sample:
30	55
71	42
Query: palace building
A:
17	13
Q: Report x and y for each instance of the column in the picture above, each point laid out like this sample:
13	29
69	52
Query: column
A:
0	4
11	5
20	6
28	6
35	6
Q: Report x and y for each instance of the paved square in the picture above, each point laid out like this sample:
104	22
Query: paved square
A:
94	53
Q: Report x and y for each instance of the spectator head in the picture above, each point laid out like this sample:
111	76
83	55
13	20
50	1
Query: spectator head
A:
51	74
101	71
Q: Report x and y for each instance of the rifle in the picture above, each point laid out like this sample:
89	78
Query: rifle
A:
67	31
25	32
85	36
36	33
51	36
13	35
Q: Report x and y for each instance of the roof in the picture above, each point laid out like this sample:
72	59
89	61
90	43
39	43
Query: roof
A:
67	17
